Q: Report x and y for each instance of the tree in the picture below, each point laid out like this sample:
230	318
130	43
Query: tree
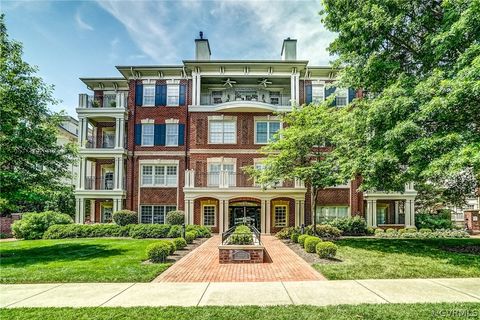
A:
30	159
418	63
298	151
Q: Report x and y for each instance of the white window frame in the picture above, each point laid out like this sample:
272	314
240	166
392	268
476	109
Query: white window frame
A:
171	125
173	91
268	121
276	224
321	88
222	162
332	207
144	125
214	214
153	211
223	121
155	177
341	93
144	96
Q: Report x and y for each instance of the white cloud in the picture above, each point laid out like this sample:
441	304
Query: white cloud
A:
82	24
164	30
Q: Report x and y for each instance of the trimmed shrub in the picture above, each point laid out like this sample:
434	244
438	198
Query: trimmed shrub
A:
294	237
324	231
287	232
390	230
190	236
179	243
33	225
159	251
350	226
175	232
141	231
410	230
125	217
86	231
202	231
311	243
425	230
425	235
242	235
326	249
301	239
175	218
172	247
370	231
379	231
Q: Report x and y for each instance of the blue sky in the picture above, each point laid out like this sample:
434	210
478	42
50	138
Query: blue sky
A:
72	39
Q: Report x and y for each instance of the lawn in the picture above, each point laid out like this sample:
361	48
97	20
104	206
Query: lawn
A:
403	258
76	260
345	312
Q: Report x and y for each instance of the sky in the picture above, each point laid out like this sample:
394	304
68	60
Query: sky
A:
67	40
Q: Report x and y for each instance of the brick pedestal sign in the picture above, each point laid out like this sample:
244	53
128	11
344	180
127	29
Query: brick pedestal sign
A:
241	253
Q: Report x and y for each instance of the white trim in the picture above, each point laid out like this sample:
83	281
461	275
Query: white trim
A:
171	120
148	81
153	166
173	81
143	95
147	121
223	119
159	161
175	144
143	132
268	121
203	215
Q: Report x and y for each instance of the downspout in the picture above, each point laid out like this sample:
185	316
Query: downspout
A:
132	183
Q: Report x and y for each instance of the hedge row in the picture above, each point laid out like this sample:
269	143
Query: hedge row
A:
137	231
424	233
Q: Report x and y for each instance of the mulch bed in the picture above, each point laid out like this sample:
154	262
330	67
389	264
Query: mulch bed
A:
311	258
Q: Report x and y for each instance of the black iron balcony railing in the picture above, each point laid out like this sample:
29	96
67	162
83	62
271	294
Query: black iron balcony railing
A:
108	100
101	183
103	141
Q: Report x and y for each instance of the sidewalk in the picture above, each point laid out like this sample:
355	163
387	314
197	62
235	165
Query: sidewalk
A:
240	293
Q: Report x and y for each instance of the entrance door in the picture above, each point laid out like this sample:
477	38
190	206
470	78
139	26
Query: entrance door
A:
249	215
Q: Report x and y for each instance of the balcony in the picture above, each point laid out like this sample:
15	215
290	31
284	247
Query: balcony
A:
101	183
107	101
228	179
105	141
251	96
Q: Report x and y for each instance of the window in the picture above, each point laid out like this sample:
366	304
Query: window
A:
107	211
159	175
222	131
149	95
214	170
171	135
155	214
209	215
265	130
318	93
326	213
280	215
341	99
147	134
173	92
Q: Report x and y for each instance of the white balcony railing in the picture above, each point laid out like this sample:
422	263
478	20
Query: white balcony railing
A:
280	100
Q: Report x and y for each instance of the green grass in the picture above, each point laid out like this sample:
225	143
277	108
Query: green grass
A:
76	260
345	312
401	258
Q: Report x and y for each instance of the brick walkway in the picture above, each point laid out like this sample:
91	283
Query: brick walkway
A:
201	265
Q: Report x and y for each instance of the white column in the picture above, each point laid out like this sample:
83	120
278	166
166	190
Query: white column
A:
194	88
297	213
198	88
293	83
92	210
82	137
191	204
80	210
82	166
225	216
302	212
221	215
297	90
118	173
374	213
369	213
409	213
115	205
268	216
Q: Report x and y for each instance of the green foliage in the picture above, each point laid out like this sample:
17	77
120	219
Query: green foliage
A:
172	247
125	217
302	238
33	225
175	232
324	231
180	243
294	237
159	251
286	233
351	226
418	64
141	231
326	249
241	236
190	236
32	165
86	231
202	231
433	221
311	243
176	217
423	234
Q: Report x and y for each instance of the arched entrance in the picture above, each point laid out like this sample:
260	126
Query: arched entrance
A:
241	211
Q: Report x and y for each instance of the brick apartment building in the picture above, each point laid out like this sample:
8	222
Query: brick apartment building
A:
160	138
